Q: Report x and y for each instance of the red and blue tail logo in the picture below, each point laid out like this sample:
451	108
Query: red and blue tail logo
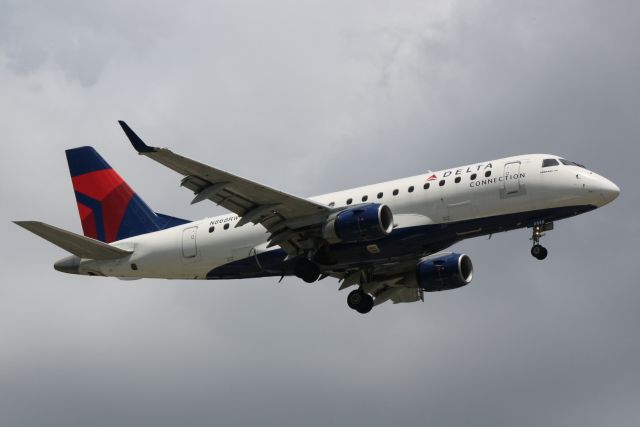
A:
109	209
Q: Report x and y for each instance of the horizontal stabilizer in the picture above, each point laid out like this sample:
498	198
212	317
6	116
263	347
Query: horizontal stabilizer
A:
83	247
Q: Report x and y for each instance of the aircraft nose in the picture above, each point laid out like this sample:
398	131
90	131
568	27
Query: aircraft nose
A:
608	190
69	265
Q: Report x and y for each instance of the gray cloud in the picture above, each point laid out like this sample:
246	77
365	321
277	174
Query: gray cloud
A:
310	98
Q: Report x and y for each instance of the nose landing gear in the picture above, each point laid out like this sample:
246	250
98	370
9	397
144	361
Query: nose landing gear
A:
538	251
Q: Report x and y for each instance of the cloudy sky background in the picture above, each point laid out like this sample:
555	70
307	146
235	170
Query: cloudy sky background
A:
312	97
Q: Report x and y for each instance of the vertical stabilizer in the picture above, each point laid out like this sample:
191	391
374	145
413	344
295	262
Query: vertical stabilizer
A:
109	209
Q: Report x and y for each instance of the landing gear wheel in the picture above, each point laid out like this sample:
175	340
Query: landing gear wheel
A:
539	252
306	270
366	305
354	299
359	301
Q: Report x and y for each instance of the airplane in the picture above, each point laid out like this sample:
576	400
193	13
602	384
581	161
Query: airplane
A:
387	239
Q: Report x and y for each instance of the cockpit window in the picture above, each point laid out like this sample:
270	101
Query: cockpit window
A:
568	163
549	162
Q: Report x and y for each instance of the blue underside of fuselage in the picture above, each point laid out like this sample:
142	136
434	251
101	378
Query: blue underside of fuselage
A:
402	242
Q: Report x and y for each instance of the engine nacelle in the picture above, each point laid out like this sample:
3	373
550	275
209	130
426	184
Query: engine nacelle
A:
444	273
361	223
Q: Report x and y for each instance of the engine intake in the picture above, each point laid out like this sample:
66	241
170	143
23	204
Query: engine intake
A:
443	273
362	223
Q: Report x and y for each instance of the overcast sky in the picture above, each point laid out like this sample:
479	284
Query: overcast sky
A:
310	97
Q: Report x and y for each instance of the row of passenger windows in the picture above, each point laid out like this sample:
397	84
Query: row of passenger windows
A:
395	192
213	227
426	186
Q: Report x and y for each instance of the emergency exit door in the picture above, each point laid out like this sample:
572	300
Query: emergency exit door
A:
189	246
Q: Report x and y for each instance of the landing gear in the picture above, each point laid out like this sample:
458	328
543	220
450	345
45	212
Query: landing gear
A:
360	301
538	251
306	270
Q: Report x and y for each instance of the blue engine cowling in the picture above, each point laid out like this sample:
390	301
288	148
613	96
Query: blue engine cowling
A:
361	223
444	273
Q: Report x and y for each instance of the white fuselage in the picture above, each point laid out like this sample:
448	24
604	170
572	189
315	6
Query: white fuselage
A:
490	189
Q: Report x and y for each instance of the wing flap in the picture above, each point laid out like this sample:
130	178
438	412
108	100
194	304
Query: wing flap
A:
81	246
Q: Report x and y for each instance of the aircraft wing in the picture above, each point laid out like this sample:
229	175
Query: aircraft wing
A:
288	218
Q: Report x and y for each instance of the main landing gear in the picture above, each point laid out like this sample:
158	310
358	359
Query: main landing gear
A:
309	271
306	270
360	301
538	251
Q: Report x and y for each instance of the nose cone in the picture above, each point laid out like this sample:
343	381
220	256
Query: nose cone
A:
69	265
608	190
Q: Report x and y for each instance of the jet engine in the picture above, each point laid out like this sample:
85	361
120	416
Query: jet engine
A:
361	223
444	272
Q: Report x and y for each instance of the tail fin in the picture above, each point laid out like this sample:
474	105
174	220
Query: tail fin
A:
109	209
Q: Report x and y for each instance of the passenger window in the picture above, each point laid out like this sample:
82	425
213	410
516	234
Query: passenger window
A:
410	189
226	226
546	163
426	186
395	192
473	176
457	180
441	183
380	195
365	198
349	201
487	174
211	229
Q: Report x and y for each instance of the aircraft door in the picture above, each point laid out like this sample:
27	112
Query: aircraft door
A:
189	246
511	178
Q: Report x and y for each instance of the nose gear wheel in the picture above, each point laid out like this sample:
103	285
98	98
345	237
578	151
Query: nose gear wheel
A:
538	251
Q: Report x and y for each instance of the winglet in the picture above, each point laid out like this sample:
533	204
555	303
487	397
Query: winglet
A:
137	143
